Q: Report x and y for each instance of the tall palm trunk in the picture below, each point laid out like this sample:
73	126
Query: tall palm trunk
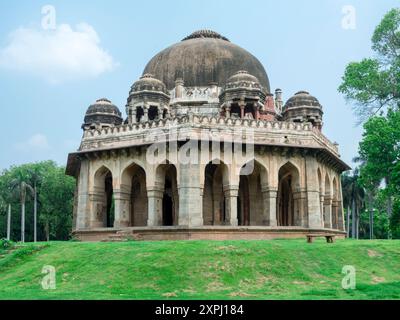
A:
47	230
23	222
353	218
348	221
9	222
35	214
357	222
371	217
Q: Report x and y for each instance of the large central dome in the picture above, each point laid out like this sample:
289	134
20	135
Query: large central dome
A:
204	57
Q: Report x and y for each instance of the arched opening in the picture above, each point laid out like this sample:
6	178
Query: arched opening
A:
327	203
321	194
153	113
249	111
287	187
335	204
103	199
166	176
139	114
235	111
214	206
250	203
134	180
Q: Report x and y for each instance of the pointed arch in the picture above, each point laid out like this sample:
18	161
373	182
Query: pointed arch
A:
288	187
216	177
103	203
253	178
166	180
328	202
133	182
335	204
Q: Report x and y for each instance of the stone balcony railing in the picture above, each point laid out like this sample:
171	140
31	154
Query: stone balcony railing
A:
189	126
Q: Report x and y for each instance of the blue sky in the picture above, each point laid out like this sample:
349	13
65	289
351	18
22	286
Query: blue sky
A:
43	98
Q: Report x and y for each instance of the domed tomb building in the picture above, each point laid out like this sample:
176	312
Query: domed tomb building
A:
206	151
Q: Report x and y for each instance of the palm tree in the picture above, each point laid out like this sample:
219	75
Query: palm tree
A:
353	194
35	180
5	205
21	188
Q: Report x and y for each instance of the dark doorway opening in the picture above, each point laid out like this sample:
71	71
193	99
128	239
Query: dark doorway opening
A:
168	216
109	201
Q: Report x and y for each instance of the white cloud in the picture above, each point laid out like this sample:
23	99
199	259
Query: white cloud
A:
36	142
57	55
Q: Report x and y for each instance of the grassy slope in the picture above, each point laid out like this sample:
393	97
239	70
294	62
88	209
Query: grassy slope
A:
279	269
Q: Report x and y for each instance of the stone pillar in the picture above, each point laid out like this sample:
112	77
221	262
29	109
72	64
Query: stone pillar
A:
256	111
328	212
242	104
145	113
269	200
133	117
122	208
228	110
98	208
335	218
322	199
190	199
154	198
231	196
83	205
312	190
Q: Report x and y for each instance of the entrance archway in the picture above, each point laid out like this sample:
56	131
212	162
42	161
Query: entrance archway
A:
167	178
214	204
104	202
250	202
288	186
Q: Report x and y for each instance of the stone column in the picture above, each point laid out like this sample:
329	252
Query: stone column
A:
256	111
335	218
322	199
328	212
242	104
98	208
312	190
122	203
154	198
133	117
145	113
269	200
231	196
228	110
83	206
190	198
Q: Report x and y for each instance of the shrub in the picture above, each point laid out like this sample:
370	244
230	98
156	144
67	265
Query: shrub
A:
6	244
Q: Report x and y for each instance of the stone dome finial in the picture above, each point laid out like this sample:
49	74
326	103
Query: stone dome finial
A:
303	107
148	82
242	76
205	33
102	113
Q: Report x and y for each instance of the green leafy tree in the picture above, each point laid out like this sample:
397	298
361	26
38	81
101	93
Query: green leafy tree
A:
54	192
22	189
373	84
354	200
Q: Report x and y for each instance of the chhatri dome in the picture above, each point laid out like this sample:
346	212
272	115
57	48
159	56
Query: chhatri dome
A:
205	150
202	58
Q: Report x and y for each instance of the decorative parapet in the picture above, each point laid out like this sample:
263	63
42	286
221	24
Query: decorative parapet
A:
193	94
188	126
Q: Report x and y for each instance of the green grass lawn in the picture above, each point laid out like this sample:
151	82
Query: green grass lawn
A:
276	269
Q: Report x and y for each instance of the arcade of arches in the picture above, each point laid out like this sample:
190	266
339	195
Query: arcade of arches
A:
151	197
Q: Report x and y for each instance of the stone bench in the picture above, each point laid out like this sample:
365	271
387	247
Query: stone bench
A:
330	238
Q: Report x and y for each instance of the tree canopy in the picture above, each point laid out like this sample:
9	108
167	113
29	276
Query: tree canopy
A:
55	200
373	84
